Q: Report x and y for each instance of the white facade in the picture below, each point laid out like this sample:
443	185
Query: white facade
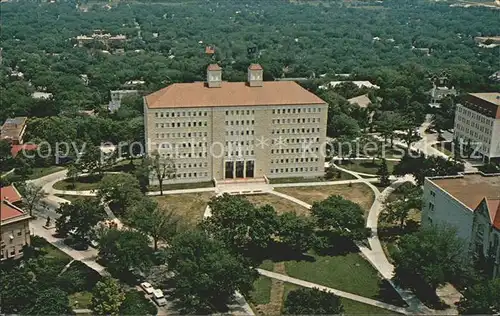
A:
479	127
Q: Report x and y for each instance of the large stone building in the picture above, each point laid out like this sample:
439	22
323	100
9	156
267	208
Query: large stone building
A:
471	204
477	121
219	130
14	224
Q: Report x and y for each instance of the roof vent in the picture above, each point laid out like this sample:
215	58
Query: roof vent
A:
255	75
214	76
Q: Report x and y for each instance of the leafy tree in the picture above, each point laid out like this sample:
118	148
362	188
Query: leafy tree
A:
421	167
383	173
162	169
387	123
340	217
32	195
15	287
240	224
92	159
481	299
125	250
206	273
305	301
107	297
431	255
79	219
5	154
296	232
343	125
120	190
73	173
52	301
158	223
135	304
142	172
397	210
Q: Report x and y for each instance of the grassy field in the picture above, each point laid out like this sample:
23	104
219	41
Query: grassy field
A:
182	186
350	307
80	299
445	148
357	192
73	198
338	176
41	172
281	205
350	273
261	293
367	166
81	184
190	207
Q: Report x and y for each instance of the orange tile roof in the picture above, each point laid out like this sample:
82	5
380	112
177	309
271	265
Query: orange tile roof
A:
198	94
15	149
214	67
9	211
255	67
10	194
470	189
494	208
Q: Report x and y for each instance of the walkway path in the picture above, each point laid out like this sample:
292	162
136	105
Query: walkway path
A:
354	297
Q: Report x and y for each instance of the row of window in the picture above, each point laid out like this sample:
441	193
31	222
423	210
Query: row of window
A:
242	123
237	112
191	165
471	133
294	150
295	131
281	141
297	110
296	169
235	133
192	175
183	135
472	113
182	124
476	125
294	160
181	114
297	121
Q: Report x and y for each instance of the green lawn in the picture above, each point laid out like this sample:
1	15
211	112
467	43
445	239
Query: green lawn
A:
81	184
41	172
182	186
261	293
80	299
350	307
49	250
338	176
367	166
350	273
73	198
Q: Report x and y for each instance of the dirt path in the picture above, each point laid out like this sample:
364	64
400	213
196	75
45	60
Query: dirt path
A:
277	292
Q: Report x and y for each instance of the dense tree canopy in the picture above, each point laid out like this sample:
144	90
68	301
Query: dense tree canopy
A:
206	273
371	42
313	301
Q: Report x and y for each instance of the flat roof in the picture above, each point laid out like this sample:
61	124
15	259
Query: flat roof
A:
470	189
491	97
198	94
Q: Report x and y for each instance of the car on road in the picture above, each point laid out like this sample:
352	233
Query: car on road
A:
147	287
159	298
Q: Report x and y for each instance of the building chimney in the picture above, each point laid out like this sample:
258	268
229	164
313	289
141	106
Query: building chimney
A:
255	75
214	76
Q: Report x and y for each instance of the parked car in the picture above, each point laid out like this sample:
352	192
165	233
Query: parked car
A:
159	298
147	287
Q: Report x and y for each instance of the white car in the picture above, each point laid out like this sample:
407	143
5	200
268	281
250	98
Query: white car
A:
159	298
147	287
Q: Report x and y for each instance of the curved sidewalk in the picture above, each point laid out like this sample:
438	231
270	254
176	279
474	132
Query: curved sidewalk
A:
354	297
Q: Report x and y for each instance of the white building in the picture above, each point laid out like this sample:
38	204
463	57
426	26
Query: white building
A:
478	121
471	204
360	84
229	131
117	96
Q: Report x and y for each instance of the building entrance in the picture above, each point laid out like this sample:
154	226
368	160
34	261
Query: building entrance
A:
239	169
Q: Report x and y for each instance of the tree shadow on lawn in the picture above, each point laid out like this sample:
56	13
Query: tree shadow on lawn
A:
393	233
389	295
